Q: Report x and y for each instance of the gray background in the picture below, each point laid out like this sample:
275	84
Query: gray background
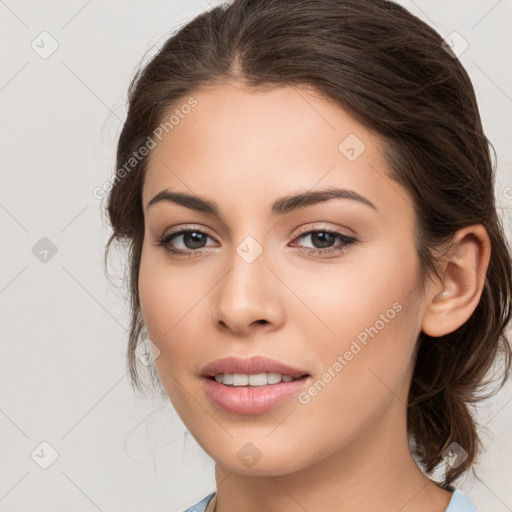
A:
63	378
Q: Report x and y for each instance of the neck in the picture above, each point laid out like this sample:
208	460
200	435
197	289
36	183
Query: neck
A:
376	471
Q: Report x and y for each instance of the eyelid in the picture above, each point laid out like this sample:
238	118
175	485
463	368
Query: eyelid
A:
187	227
324	227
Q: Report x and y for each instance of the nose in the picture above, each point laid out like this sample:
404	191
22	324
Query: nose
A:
249	296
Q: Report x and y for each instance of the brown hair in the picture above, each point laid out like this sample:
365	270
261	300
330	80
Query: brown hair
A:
392	72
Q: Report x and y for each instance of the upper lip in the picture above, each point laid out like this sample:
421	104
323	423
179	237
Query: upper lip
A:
250	365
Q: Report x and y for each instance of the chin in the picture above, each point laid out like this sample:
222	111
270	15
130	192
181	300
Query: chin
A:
273	464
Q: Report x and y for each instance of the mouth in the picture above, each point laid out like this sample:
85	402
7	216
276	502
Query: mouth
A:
252	386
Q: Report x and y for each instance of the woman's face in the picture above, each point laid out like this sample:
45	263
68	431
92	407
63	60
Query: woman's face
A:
272	282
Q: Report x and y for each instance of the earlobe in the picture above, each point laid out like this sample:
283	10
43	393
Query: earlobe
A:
456	296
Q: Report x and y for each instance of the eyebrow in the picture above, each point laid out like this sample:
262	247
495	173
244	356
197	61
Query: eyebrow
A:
281	206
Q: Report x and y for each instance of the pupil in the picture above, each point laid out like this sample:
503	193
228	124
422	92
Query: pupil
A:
195	238
325	239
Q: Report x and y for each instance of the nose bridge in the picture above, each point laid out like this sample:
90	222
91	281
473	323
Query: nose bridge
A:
248	268
247	293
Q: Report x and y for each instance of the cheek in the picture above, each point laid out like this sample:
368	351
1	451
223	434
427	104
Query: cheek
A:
173	312
363	373
164	291
154	298
161	309
162	300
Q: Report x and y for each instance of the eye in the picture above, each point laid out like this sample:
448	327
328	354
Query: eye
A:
195	239
322	240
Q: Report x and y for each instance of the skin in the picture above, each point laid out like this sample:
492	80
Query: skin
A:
347	449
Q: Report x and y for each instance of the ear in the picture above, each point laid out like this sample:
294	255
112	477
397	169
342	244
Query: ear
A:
454	298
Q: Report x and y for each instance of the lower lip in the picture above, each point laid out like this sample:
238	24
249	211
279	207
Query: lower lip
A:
251	399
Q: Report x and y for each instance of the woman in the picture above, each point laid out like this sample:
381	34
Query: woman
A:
315	254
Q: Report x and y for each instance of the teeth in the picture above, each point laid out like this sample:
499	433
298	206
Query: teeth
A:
240	379
257	379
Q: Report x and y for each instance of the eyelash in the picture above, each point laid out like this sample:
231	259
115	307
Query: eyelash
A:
180	253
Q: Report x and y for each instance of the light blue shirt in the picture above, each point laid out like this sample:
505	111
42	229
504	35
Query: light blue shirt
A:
460	502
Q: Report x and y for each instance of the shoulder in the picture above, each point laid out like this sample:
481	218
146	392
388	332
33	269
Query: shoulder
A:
201	506
460	502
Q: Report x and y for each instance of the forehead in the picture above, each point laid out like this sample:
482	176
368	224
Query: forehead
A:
251	143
